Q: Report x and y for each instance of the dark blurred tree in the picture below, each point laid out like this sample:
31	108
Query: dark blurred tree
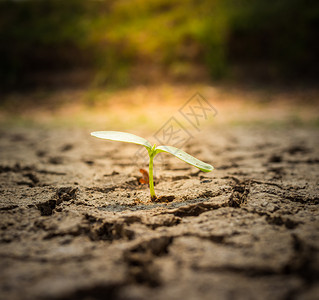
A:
42	35
282	33
111	36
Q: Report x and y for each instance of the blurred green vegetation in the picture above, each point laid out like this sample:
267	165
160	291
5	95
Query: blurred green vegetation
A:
114	38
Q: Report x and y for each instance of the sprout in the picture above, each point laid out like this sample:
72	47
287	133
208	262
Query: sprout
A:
152	152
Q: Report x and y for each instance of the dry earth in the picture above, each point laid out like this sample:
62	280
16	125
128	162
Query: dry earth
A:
76	224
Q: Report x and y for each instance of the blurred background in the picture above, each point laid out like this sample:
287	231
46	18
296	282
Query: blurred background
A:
72	56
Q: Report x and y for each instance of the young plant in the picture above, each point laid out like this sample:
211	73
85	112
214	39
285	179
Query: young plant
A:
152	152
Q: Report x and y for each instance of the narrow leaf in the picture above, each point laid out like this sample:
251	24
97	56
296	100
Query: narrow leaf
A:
186	158
122	137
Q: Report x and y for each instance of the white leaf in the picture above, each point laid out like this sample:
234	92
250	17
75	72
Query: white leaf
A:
186	158
122	137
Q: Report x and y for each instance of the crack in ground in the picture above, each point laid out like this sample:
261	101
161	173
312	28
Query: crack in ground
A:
195	210
17	168
140	260
278	220
293	197
239	194
62	194
100	291
10	207
301	263
55	260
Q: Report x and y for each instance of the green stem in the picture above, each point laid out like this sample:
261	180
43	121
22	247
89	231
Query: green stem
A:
151	182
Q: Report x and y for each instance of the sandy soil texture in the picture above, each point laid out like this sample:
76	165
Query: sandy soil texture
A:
75	223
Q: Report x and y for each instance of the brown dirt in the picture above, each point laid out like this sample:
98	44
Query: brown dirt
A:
76	224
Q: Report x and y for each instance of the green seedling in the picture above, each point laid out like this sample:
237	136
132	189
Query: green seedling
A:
152	152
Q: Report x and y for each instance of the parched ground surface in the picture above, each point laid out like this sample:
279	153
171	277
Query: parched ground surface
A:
76	224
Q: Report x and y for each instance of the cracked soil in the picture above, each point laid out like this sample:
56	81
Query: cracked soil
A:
75	223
